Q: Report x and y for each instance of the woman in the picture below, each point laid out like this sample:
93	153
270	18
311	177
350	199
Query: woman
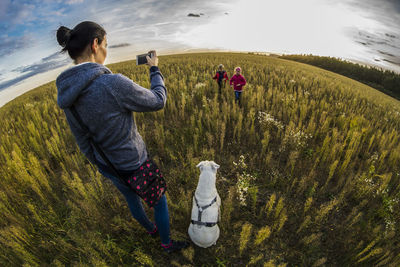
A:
237	82
105	102
221	77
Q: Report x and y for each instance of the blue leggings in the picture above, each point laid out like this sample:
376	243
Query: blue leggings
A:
161	215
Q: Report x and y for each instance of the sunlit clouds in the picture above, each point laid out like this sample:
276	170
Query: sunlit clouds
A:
284	26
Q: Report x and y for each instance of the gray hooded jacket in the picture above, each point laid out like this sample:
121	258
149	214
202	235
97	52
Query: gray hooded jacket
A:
105	107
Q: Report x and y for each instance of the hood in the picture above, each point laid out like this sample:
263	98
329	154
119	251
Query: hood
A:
71	82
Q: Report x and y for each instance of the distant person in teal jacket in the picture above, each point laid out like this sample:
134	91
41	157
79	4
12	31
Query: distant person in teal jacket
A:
237	82
221	77
105	102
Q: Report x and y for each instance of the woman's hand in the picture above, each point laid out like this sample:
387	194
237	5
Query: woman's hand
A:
152	61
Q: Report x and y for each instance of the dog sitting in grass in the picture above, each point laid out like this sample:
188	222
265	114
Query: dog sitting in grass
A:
203	229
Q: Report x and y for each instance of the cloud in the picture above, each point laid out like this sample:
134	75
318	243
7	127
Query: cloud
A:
50	62
20	15
375	31
119	45
14	13
3	8
31	25
11	82
386	12
72	2
395	4
397	63
45	64
10	45
380	46
144	20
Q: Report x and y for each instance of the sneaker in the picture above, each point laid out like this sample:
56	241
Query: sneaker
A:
154	233
175	246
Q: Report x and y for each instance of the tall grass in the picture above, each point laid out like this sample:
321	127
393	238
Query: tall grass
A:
309	171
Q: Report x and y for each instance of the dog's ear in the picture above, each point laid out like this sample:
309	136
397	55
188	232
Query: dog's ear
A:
200	165
214	165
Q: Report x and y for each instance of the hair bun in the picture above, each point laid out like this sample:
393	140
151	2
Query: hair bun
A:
63	35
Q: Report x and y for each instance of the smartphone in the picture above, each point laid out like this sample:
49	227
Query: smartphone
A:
141	59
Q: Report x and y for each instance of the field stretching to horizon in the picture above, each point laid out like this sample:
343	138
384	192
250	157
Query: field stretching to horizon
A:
309	175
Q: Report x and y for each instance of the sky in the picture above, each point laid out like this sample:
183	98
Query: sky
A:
365	31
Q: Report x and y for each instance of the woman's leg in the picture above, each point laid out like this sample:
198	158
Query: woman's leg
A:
134	202
161	217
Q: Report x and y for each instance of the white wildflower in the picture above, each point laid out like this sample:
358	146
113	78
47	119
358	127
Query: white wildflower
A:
199	85
243	182
389	224
264	117
298	139
374	157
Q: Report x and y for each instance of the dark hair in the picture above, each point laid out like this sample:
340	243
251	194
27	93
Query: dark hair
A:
76	40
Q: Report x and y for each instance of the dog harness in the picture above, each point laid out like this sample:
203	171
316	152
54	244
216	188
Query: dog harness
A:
201	209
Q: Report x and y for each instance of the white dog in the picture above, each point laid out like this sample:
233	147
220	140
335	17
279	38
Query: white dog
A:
203	229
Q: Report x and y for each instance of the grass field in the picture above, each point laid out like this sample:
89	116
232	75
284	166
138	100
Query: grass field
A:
309	172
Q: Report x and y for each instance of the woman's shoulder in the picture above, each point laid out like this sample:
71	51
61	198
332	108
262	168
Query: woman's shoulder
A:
114	82
115	78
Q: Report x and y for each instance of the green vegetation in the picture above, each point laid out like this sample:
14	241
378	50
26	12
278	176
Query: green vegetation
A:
383	80
309	172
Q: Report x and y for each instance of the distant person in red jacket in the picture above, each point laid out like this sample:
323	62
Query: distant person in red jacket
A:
221	77
237	82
